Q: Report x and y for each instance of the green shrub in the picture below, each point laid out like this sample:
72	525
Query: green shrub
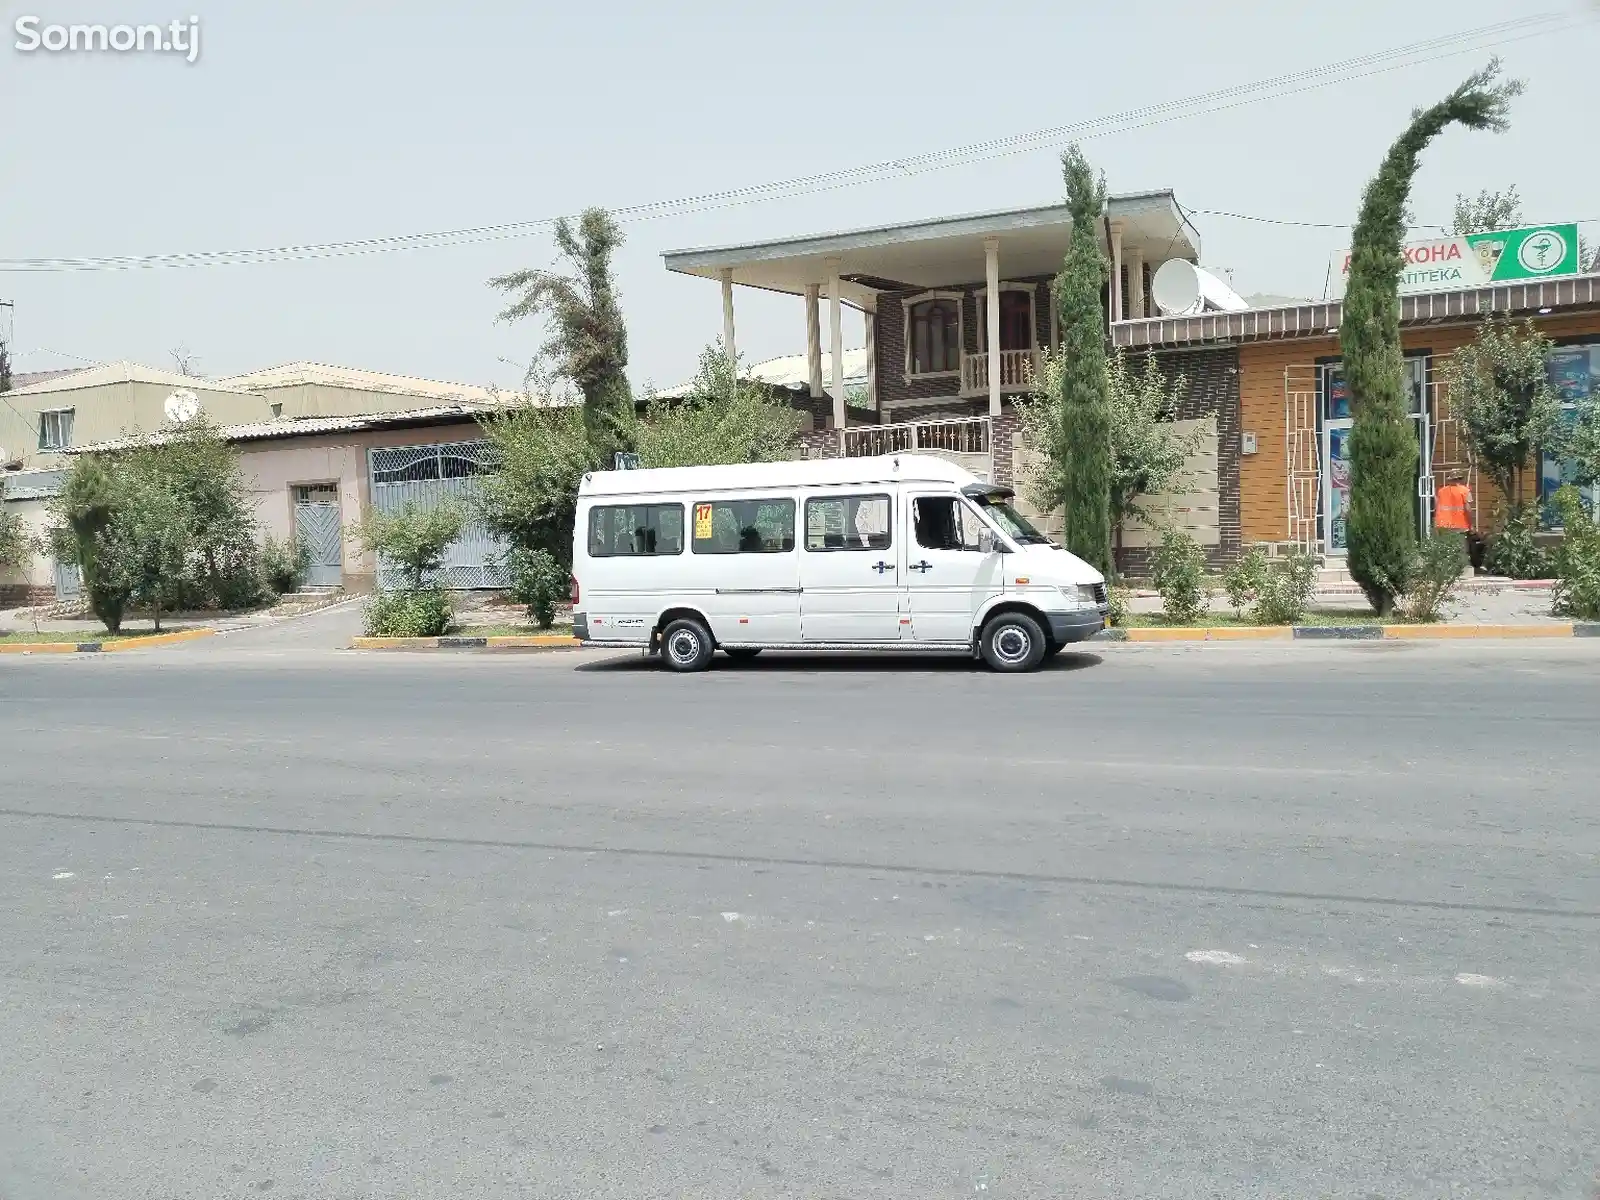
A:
1274	591
1118	598
284	564
1576	593
538	582
1286	589
1513	551
420	612
1178	570
1243	580
1437	571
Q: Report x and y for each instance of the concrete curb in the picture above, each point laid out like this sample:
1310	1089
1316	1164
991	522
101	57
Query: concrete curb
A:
105	647
1237	633
537	641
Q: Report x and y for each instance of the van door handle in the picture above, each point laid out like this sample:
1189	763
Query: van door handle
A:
919	566
880	567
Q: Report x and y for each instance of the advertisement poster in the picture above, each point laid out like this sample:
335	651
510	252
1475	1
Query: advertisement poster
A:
1476	260
1338	490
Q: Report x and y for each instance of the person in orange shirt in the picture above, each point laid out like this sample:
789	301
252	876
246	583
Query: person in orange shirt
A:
1453	511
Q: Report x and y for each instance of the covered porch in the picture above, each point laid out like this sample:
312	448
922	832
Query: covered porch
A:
955	308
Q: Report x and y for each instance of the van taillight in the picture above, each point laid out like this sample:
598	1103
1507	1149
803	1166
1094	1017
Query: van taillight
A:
574	589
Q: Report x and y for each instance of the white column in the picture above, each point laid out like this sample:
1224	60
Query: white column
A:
836	333
1114	295
813	340
991	275
727	321
1136	305
872	362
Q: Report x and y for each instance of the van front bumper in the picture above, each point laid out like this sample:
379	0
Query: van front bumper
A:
1075	626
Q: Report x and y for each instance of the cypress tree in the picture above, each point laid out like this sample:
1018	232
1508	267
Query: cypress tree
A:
1085	411
1382	528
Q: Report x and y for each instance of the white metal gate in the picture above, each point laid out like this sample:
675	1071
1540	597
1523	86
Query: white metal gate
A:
317	526
425	475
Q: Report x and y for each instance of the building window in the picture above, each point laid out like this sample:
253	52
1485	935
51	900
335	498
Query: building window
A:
1574	372
743	527
933	336
55	429
635	530
1016	318
848	523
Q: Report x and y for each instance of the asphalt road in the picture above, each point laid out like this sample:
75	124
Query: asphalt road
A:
1250	921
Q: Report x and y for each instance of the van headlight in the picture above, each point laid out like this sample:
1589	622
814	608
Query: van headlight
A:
1081	596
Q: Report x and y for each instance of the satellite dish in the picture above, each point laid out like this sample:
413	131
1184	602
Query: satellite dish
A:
181	407
1181	289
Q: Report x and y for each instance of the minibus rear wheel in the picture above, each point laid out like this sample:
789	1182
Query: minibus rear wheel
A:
686	645
1012	641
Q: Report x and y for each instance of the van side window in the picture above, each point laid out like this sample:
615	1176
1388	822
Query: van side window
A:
847	523
743	526
632	530
944	523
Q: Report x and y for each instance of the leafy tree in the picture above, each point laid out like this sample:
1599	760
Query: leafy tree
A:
146	551
5	366
1383	446
532	496
1082	447
723	419
83	511
16	544
1487	210
1148	453
415	537
1501	391
204	471
588	340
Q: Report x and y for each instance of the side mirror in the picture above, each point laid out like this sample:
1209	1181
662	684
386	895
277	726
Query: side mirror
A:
989	544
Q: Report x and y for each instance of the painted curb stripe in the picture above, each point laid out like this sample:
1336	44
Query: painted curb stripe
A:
1339	633
552	641
103	647
1455	632
1220	633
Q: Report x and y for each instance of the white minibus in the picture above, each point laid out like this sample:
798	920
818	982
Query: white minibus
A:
897	552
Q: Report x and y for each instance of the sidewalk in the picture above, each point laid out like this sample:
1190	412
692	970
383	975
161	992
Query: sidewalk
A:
1485	600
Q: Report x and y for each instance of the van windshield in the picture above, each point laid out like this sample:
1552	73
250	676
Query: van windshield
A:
1011	521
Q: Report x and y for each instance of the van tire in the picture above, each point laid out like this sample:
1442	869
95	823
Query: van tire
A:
686	645
1012	642
742	653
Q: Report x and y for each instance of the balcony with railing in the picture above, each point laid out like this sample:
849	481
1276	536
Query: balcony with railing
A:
1017	371
957	435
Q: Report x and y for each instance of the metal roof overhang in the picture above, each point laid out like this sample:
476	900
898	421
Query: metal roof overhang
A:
1578	293
939	252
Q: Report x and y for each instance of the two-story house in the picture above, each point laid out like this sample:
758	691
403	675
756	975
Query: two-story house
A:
957	312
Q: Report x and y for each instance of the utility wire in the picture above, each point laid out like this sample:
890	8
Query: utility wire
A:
1219	100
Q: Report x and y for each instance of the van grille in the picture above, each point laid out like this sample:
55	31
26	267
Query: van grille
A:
1100	596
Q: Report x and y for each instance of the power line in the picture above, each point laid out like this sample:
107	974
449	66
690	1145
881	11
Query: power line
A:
1222	99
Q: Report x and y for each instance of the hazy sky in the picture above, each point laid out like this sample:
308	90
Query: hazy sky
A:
313	121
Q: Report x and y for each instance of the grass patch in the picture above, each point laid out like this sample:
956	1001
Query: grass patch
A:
29	637
559	629
1216	620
